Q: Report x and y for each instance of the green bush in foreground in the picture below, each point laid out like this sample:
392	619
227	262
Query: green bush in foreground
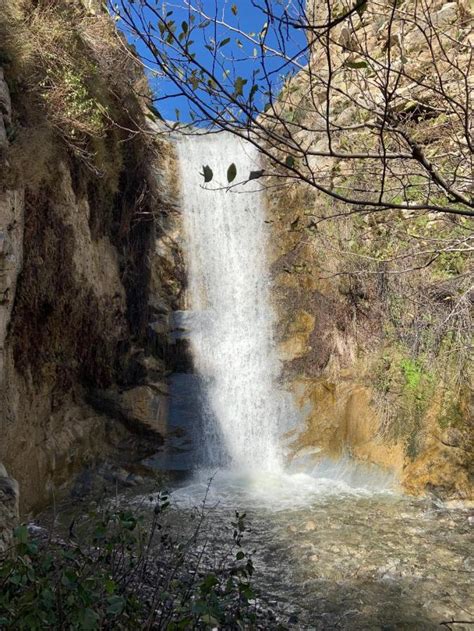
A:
128	572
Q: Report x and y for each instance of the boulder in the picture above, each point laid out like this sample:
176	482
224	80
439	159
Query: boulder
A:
144	409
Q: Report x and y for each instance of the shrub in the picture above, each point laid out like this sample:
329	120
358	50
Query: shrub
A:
121	569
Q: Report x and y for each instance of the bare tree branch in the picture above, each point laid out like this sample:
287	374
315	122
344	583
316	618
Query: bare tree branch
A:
353	115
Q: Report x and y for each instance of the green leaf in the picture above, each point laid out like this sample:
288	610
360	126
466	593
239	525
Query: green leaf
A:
110	586
155	112
355	64
88	619
224	42
207	173
290	161
233	8
21	534
184	26
239	86
210	620
361	8
208	583
253	91
116	604
231	173
254	175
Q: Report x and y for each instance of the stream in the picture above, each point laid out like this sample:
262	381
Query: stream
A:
330	555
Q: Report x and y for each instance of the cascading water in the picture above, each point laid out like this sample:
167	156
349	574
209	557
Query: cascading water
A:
231	334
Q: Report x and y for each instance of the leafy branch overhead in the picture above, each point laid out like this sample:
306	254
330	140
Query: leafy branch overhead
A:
368	102
208	174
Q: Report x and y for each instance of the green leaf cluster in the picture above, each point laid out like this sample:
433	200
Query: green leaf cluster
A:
120	569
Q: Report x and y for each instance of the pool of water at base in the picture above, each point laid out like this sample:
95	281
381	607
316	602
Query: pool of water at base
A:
338	554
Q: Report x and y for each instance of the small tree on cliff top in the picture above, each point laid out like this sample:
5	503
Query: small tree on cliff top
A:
373	107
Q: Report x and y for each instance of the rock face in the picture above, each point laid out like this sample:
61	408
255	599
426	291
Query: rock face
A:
11	258
90	262
5	112
8	508
11	228
366	350
349	361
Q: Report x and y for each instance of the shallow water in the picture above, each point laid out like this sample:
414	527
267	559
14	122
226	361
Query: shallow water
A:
341	556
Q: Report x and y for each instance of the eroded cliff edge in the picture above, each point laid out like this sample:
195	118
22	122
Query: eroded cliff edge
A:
90	263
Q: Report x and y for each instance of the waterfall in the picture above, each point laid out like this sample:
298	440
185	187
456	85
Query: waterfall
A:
229	298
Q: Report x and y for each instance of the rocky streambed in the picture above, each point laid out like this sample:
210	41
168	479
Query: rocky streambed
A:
329	552
337	557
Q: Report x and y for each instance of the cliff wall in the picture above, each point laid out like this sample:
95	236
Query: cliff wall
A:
376	308
90	264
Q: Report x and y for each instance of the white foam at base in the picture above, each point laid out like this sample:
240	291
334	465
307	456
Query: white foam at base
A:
283	490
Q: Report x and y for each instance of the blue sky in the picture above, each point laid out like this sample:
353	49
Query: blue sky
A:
237	55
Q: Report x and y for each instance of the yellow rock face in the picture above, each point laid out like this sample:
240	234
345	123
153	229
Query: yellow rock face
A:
341	419
297	336
445	462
